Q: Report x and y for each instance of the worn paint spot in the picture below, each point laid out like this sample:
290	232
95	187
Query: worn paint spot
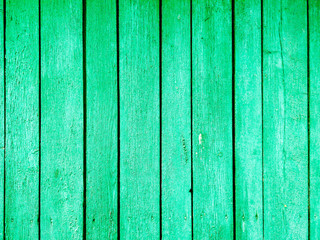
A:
185	149
200	138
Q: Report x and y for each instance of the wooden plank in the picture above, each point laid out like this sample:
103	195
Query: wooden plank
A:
285	135
102	153
314	61
2	122
176	120
22	119
139	119
212	119
61	120
248	120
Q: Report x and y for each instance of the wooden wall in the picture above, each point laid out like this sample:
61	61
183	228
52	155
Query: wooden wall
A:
160	119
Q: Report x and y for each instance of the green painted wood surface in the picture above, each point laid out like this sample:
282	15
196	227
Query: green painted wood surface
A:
139	119
212	119
22	119
314	60
176	120
61	120
248	120
167	138
285	126
101	66
2	122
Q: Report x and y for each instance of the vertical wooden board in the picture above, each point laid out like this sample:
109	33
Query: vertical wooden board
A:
285	135
176	120
61	120
212	119
314	38
101	45
248	120
139	119
22	119
2	123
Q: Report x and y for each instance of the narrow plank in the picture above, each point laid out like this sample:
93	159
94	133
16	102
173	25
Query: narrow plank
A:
139	119
2	123
61	120
285	135
212	119
102	153
314	38
22	119
176	120
248	120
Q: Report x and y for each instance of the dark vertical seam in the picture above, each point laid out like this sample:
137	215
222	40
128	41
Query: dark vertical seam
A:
308	112
39	102
233	120
191	116
84	66
160	110
118	119
4	118
262	153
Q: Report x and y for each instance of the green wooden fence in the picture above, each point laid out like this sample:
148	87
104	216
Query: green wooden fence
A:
150	119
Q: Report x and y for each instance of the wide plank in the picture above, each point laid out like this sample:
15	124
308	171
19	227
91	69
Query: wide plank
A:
212	119
139	119
285	124
248	120
22	119
176	120
61	120
102	119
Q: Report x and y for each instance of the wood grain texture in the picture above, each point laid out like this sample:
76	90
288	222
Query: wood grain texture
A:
170	128
61	120
314	38
248	120
22	119
139	119
176	120
2	122
102	151
285	135
212	119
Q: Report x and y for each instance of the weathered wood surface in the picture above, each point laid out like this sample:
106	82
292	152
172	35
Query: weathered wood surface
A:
285	119
248	120
139	119
22	119
160	119
102	120
61	120
176	120
314	91
212	119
